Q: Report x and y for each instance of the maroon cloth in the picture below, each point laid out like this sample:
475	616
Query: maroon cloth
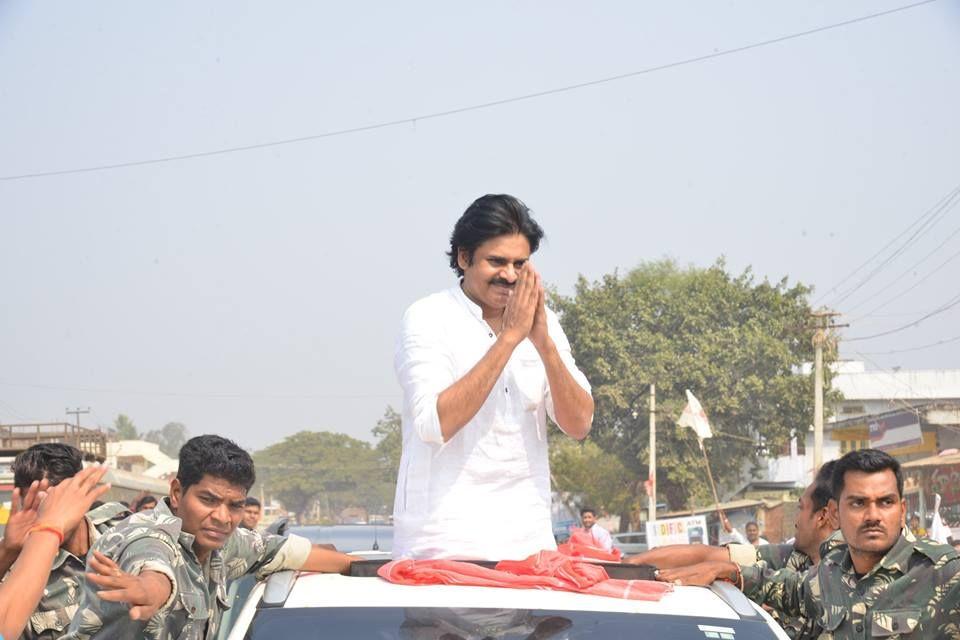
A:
543	570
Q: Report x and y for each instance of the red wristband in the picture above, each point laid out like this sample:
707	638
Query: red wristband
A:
49	529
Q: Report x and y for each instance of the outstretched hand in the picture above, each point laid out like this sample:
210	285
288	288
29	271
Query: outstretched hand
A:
702	574
145	593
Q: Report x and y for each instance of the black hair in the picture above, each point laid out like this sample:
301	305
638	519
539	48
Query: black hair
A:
215	456
145	499
251	502
51	460
823	485
491	216
869	461
588	510
752	522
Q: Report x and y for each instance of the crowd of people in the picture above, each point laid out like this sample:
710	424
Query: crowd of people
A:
160	572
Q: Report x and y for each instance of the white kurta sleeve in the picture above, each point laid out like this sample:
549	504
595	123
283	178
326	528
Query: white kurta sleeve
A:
424	369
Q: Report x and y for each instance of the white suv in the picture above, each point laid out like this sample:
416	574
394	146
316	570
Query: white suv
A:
294	606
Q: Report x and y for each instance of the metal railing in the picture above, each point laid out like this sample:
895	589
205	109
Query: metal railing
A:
18	437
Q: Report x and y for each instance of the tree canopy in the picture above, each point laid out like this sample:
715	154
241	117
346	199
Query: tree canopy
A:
334	468
171	437
389	446
737	344
125	428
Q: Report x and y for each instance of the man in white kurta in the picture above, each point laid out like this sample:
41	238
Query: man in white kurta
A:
481	365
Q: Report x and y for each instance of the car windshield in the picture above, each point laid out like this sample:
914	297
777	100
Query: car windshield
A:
430	623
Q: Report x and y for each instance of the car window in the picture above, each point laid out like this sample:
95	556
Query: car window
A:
633	538
430	623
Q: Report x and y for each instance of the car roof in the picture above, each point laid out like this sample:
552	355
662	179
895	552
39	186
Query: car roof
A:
334	590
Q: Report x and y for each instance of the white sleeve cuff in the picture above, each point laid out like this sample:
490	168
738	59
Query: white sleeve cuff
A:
292	555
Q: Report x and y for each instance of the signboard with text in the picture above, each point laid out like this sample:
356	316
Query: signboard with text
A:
896	430
686	530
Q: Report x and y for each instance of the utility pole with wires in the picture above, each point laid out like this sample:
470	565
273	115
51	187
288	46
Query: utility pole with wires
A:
821	336
76	414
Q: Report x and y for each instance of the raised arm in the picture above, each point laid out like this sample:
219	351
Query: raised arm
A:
572	403
60	511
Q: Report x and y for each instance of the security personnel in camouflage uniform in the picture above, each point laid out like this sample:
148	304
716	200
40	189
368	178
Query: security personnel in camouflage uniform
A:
61	597
882	582
55	462
770	558
816	533
162	574
155	541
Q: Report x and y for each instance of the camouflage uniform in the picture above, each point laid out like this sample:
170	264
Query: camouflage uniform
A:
769	558
61	596
913	592
153	541
773	557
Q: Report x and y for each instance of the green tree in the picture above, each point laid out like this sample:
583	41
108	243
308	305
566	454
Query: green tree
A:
338	470
598	478
736	343
125	428
389	445
171	437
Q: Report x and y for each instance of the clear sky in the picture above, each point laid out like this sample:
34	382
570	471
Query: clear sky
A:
258	293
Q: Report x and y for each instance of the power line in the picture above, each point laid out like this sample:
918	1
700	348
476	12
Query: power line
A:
474	107
939	212
949	304
218	396
916	284
919	348
916	394
866	262
916	264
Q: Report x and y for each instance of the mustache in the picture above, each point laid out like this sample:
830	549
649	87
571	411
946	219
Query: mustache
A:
502	282
873	526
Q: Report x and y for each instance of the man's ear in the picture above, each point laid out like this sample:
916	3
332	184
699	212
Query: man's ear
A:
176	494
833	513
463	258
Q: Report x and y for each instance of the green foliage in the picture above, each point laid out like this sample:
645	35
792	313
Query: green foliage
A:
334	468
736	344
389	445
125	428
597	477
171	437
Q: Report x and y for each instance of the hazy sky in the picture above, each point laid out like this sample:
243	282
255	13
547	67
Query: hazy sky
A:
258	293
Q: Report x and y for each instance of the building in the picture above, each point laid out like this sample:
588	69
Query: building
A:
912	414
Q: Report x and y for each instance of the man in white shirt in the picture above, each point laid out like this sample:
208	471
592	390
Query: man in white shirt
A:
481	365
753	534
600	535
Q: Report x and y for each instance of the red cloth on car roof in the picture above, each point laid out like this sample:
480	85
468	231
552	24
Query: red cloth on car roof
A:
582	544
543	570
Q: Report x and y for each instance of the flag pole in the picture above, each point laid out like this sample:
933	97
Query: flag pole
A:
713	486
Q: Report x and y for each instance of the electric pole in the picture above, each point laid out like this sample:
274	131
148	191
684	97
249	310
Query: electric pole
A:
821	336
76	413
652	494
